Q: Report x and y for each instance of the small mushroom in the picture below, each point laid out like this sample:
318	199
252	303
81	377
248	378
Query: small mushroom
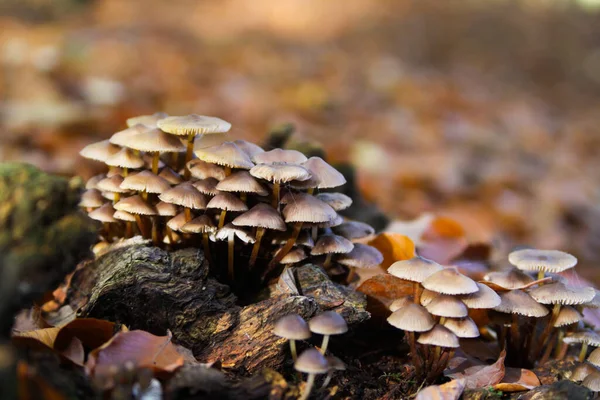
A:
582	371
292	327
229	232
154	141
542	260
415	270
310	362
327	324
227	155
586	338
226	202
330	244
148	120
362	256
204	225
187	196
278	174
335	364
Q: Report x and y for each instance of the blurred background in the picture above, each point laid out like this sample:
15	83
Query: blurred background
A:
483	110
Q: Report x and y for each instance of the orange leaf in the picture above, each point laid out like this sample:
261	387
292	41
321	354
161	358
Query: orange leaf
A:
518	380
394	247
36	339
92	332
444	227
386	286
448	391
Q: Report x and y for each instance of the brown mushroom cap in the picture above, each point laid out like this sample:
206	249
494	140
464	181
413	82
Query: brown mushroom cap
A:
311	361
145	181
201	224
450	281
462	327
91	198
308	209
227	201
170	176
542	260
177	222
135	205
354	230
415	269
120	138
292	327
242	234
323	175
567	316
248	147
112	184
331	244
592	381
439	336
263	216
518	302
92	183
201	170
193	124
154	141
124	216
337	201
103	214
594	358
589	337
328	323
166	209
148	120
486	297
99	151
185	195
427	296
207	186
280	172
294	256
361	256
242	182
447	306
279	156
412	318
581	371
399	303
226	154
304	239
125	158
559	293
510	279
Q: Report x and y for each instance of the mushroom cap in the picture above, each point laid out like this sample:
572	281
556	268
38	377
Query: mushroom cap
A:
227	201
103	214
226	154
518	302
177	222
153	141
361	256
148	120
307	208
248	147
261	215
559	293
354	230
292	327
146	181
201	224
542	260
185	195
331	244
242	182
112	184
166	209
242	234
120	138
337	220
170	176
201	170
91	198
304	239
92	183
328	323
193	124
399	303
439	336
114	171
589	337
427	296
486	297
279	156
135	205
125	158
415	269
324	176
592	381
311	361
99	151
412	318
280	172
447	306
124	216
335	364
462	327
294	256
450	281
510	279
567	316
595	302
207	186
337	201
581	371
594	357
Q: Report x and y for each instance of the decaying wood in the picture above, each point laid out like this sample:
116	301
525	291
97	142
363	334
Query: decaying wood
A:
152	289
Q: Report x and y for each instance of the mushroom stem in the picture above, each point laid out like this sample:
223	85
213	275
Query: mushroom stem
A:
244	197
206	246
144	195
416	297
327	379
309	384
547	329
351	274
540	275
155	159
128	229
413	352
583	351
107	230
141	225
188	214
116	197
559	343
315	232
230	246
310	190
288	245
548	351
327	261
275	200
514	331
189	152
502	337
222	218
259	235
324	344
227	171
155	239
170	236
125	172
293	349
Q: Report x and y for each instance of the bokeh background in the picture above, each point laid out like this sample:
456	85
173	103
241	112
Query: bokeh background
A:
483	110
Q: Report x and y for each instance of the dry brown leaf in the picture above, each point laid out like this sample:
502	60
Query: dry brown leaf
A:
448	391
92	332
481	376
517	380
142	348
32	386
394	247
36	339
386	286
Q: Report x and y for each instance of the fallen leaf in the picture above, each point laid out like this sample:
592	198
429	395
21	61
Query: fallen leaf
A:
480	376
394	247
92	332
29	320
414	229
448	391
144	349
386	286
517	380
443	227
36	339
32	386
74	352
443	250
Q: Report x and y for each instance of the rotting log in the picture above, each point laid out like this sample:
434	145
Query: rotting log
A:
151	289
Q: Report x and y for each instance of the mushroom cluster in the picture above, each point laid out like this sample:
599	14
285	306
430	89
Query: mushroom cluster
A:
267	208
